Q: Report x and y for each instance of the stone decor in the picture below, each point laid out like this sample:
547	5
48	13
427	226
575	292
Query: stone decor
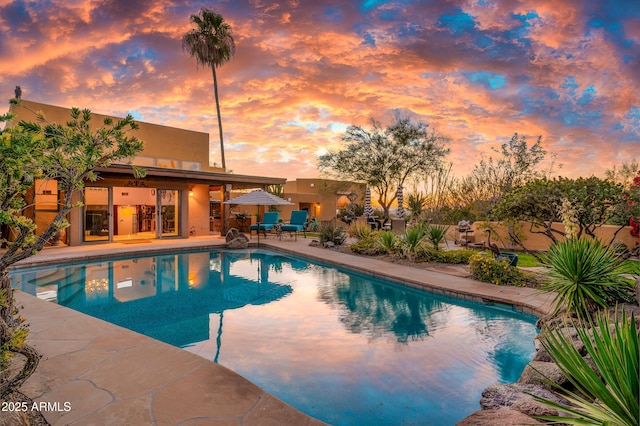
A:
236	239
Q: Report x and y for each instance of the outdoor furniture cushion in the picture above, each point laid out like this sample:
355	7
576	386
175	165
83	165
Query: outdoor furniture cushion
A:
269	221
297	223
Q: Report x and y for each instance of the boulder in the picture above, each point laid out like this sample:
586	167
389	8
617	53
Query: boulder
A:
238	243
532	408
516	396
540	373
497	417
236	239
542	355
232	234
569	332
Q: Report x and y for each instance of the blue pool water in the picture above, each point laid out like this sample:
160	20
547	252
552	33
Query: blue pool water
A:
339	346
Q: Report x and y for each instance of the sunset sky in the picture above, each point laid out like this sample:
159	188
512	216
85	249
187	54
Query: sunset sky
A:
476	71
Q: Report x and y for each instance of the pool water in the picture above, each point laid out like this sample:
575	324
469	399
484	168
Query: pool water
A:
340	346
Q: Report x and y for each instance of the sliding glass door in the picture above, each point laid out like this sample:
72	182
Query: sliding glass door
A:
124	213
96	214
169	201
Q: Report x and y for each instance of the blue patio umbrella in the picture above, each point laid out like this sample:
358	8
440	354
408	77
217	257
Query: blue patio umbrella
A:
258	198
368	210
400	211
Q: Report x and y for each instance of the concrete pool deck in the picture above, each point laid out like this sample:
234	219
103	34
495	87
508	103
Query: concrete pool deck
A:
93	372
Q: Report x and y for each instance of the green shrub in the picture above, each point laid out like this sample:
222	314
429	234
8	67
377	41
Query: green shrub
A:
453	256
328	231
359	230
499	272
16	336
608	393
369	245
586	275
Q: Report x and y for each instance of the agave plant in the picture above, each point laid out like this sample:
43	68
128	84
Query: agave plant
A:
586	275
388	240
437	234
413	238
609	394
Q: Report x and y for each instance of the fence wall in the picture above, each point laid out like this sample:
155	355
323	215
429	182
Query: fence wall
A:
541	242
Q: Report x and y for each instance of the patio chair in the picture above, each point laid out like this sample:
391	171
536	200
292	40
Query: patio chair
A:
297	223
374	222
269	220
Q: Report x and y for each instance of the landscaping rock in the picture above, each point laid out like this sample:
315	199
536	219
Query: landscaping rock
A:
507	395
540	373
238	243
232	234
542	355
570	333
499	417
236	240
315	243
532	408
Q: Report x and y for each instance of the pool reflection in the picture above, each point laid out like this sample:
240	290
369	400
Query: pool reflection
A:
341	347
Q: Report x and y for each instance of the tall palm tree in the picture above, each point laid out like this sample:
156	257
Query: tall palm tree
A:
211	42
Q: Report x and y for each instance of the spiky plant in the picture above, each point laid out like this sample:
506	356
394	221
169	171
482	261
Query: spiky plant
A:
608	394
359	230
388	240
415	203
413	238
437	234
586	275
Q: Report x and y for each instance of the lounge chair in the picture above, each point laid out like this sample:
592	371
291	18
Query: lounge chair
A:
269	220
297	223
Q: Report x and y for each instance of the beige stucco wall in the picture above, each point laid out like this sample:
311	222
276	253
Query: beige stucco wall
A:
165	146
319	195
533	241
198	210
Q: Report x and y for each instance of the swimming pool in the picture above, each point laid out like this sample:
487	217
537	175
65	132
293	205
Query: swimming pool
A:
339	346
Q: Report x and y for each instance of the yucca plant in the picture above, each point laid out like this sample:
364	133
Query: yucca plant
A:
609	394
415	203
413	238
388	240
586	275
437	234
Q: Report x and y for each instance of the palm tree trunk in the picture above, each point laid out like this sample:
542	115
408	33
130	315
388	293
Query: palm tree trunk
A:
215	90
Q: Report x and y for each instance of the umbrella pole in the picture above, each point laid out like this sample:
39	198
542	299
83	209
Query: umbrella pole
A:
258	222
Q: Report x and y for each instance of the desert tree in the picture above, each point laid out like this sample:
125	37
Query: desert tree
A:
385	158
67	154
540	203
490	179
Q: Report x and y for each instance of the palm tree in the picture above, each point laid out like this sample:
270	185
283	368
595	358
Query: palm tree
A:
212	45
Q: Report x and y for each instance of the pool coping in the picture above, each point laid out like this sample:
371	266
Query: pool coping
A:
108	374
